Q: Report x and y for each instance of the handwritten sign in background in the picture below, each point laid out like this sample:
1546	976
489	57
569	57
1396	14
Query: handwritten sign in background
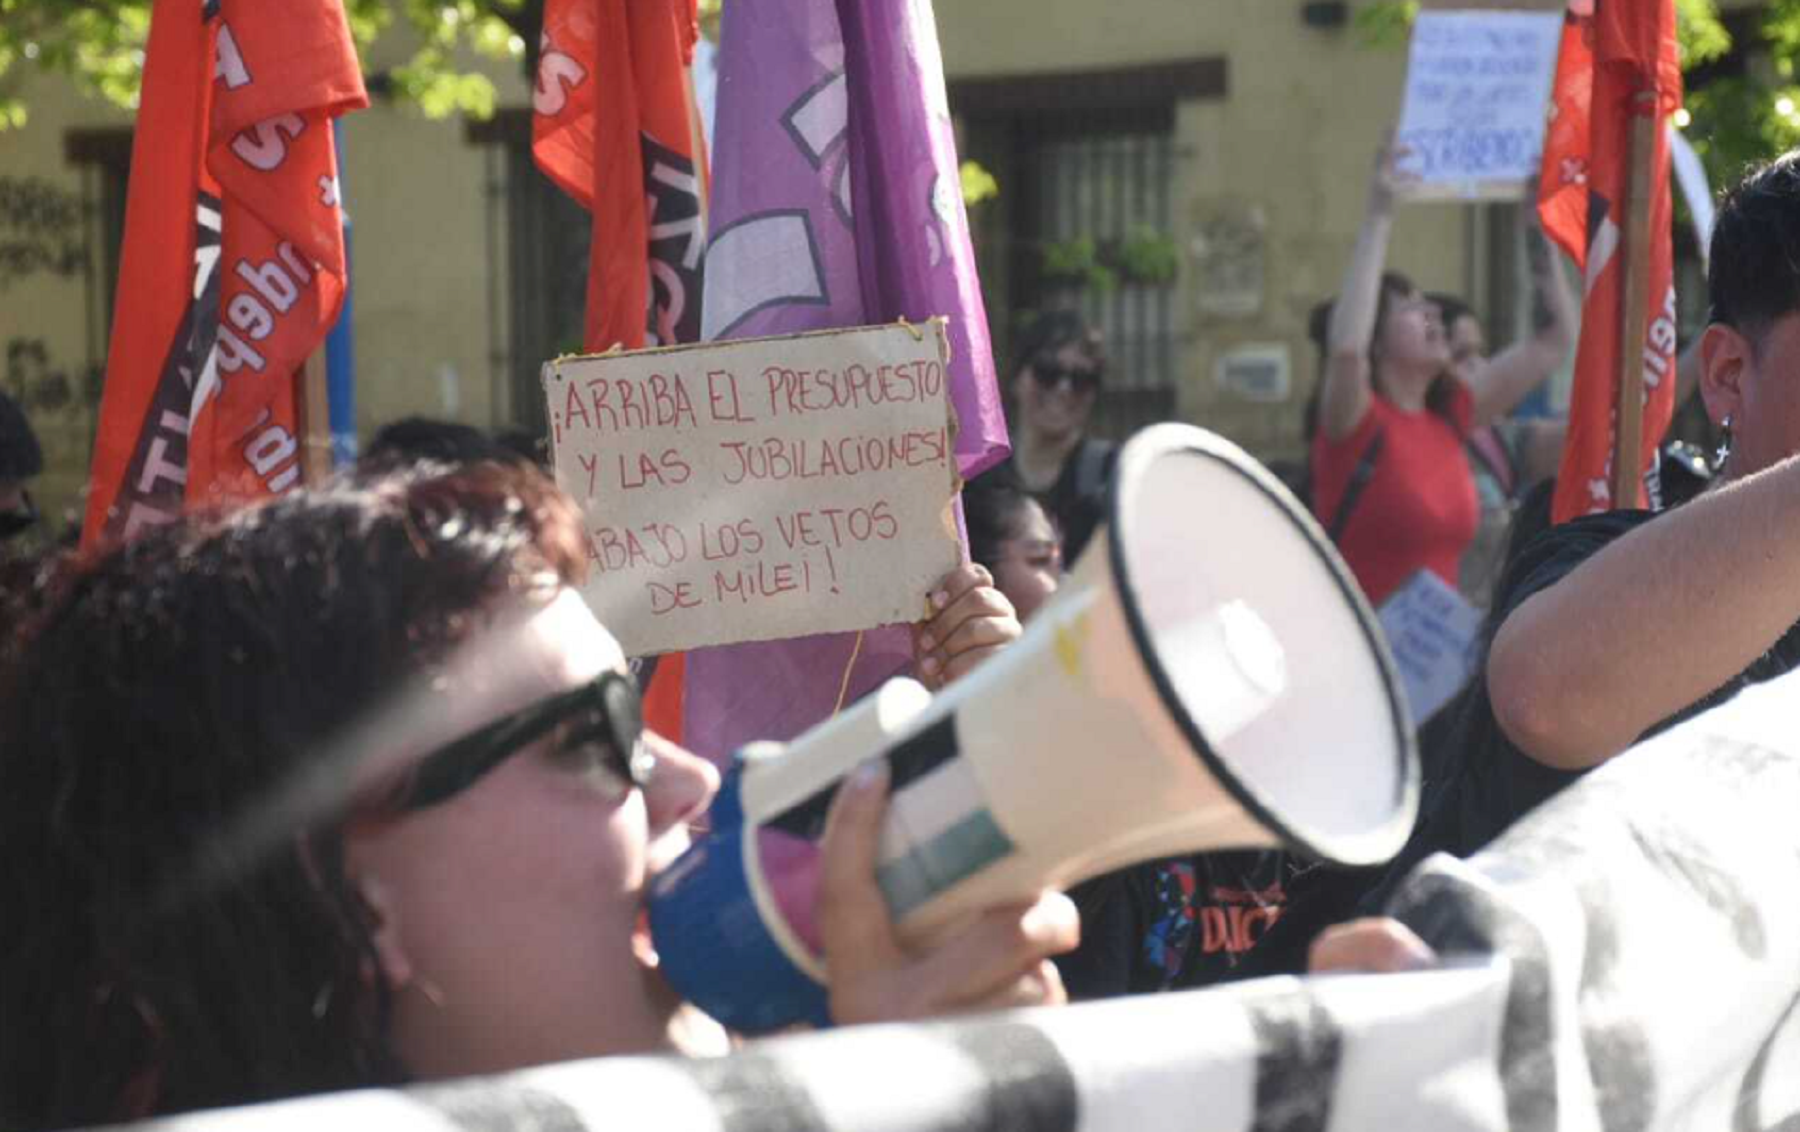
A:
1432	632
1477	89
763	488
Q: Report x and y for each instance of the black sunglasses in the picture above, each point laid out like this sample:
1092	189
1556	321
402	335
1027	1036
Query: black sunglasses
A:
1081	379
607	713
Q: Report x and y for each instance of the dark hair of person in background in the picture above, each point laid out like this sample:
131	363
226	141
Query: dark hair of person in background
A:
526	445
411	439
164	690
1753	272
1450	308
20	456
1049	332
21	460
994	513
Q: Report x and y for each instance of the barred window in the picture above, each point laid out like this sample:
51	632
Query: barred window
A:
537	243
1086	163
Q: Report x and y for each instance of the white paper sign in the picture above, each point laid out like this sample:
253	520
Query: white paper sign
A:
763	488
1432	631
1477	89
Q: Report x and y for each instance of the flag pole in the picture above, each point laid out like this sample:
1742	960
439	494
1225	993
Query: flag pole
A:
315	422
1634	317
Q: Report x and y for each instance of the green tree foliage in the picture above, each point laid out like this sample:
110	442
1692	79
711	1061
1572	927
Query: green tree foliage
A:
1747	114
99	44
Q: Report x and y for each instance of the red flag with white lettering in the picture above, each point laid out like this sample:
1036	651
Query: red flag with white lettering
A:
635	161
615	128
1619	60
233	264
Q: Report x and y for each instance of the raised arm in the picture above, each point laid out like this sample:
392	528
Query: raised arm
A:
1348	383
1650	624
1514	372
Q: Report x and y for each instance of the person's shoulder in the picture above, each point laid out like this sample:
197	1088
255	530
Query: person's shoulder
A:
1558	550
1089	468
1584	533
1098	450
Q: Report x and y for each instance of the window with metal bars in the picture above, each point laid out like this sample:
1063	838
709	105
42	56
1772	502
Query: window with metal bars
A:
537	270
1086	163
1098	196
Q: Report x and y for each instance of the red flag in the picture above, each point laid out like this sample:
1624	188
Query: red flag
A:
615	128
233	264
1612	52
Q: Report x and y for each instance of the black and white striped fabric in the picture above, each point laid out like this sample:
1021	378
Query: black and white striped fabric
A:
1628	958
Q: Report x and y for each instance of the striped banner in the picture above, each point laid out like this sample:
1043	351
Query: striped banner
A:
1627	959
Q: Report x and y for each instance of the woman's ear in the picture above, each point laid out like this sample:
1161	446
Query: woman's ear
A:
1726	361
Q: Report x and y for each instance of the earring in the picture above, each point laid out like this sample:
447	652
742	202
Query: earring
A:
1724	451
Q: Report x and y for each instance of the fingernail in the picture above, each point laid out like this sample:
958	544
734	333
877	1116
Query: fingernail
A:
929	665
1051	915
869	775
1416	956
926	643
940	599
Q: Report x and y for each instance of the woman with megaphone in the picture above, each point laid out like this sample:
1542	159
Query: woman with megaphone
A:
350	788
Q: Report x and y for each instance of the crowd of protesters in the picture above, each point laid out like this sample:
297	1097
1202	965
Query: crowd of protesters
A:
351	788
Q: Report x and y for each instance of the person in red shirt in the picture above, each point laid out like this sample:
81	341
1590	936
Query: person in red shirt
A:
1389	478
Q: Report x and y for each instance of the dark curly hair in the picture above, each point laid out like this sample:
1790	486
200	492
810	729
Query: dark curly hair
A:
165	690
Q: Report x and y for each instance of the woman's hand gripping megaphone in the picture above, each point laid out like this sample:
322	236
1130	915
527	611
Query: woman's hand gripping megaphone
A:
996	961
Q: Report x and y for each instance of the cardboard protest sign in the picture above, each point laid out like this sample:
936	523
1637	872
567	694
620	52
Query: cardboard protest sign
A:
761	488
1432	631
1477	89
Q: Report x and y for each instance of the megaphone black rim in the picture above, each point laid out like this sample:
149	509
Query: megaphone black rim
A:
1160	440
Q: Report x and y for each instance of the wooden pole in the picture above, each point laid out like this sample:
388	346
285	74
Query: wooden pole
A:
315	422
1634	315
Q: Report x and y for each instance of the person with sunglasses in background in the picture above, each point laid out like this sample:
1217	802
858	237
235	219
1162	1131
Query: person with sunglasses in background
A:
1061	365
350	788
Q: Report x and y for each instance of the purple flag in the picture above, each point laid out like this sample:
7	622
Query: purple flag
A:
836	201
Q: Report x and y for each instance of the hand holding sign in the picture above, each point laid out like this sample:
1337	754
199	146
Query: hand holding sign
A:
1391	178
971	621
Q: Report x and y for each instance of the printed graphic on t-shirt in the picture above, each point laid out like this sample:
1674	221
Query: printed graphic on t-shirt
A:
1230	919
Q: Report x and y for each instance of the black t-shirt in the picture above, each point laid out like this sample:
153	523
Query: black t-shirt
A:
1180	922
1480	783
1077	500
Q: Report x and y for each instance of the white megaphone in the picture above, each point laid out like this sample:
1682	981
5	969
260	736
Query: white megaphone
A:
1209	677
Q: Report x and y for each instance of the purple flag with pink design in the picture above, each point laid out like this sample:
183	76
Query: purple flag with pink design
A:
836	202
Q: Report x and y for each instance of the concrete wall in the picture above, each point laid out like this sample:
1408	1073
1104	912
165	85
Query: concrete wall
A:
48	309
